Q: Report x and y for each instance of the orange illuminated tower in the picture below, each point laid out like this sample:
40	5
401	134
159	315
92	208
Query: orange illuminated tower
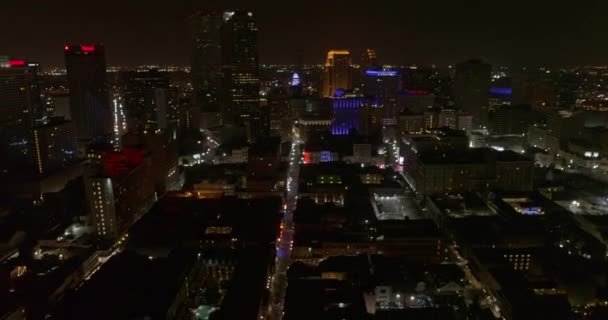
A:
369	58
337	72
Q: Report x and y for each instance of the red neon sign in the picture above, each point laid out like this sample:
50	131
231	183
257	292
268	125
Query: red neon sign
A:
307	158
16	63
66	48
87	48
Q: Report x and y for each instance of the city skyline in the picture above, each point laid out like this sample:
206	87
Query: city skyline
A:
303	160
517	33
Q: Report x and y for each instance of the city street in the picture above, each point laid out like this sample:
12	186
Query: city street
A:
284	245
487	295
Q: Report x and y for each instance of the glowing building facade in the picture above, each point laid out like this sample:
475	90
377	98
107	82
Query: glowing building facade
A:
54	145
19	107
338	73
347	114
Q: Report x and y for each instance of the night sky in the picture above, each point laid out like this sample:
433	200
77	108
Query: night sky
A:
423	31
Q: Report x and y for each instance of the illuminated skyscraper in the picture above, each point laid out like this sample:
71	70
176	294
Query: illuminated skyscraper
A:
240	63
89	101
54	145
295	85
119	189
119	121
141	97
337	72
206	71
369	58
472	90
383	85
346	114
19	106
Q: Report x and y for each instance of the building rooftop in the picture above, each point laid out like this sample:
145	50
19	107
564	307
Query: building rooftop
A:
129	285
474	155
462	205
270	146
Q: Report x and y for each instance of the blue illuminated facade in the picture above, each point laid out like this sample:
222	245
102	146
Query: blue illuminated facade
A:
383	85
501	91
295	79
381	73
346	114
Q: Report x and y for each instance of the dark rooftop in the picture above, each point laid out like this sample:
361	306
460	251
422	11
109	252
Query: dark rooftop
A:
474	155
129	286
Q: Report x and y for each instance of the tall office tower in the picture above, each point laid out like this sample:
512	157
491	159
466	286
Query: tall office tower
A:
448	118
140	96
567	86
534	87
369	59
512	119
337	72
471	90
119	189
383	85
295	85
278	107
19	105
347	114
54	145
415	78
60	104
89	101
206	68
158	114
163	154
119	121
240	63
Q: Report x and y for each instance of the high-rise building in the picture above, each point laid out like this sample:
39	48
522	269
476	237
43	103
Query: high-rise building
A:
383	86
162	146
278	104
240	63
369	58
119	190
370	119
448	118
565	124
566	89
461	169
206	68
89	101
416	101
20	104
160	101
60	104
141	96
346	112
471	90
512	119
54	145
431	118
257	124
119	121
338	75
295	85
534	87
411	123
